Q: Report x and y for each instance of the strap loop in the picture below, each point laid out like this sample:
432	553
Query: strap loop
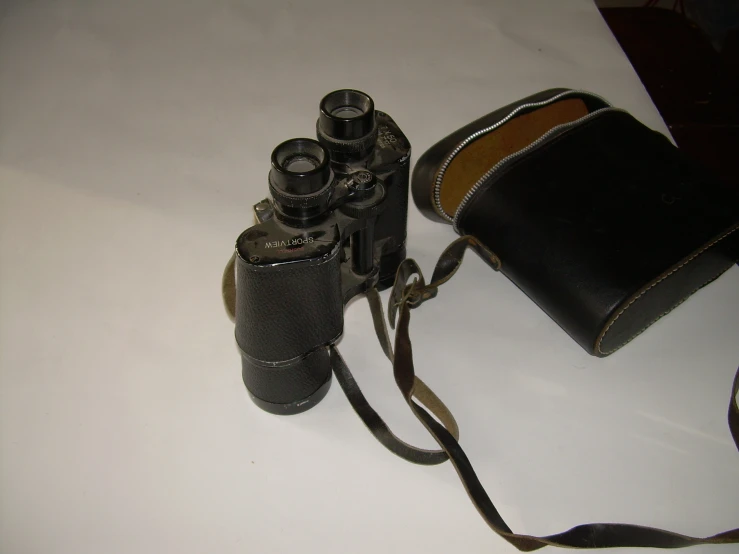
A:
592	535
371	418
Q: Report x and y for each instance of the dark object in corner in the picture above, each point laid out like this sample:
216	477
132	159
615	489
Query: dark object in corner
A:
694	87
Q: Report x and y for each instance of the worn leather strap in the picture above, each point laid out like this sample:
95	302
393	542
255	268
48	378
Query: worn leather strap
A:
403	298
379	428
351	389
593	535
370	417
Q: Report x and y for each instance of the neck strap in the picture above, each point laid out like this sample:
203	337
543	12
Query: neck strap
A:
406	296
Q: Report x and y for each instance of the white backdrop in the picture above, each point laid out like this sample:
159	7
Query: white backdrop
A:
134	138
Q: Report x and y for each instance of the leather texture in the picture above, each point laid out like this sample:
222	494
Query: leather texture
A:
287	310
605	224
427	166
290	383
477	157
303	378
606	227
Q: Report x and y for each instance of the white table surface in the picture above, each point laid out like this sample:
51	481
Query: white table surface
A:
134	138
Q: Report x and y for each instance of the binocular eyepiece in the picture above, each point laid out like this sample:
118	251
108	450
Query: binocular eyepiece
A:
301	181
346	115
301	177
335	226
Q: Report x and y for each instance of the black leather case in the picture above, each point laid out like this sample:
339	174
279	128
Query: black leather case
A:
601	221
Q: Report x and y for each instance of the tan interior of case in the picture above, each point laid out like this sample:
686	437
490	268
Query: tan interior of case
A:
482	154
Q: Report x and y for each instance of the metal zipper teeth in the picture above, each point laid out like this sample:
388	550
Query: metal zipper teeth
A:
476	134
537	142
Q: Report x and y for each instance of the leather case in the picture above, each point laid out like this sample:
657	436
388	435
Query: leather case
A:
601	221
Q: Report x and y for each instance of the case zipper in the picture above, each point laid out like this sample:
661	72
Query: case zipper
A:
477	134
553	131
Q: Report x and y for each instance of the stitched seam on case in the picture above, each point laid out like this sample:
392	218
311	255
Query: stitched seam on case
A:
657	282
660	316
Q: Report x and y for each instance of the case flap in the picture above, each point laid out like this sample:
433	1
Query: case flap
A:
600	220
